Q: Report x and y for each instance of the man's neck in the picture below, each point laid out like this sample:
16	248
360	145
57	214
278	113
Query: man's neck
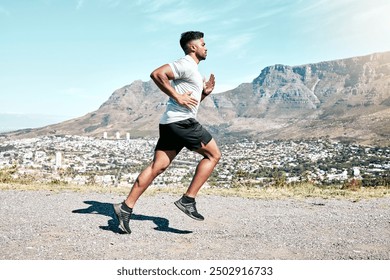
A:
193	56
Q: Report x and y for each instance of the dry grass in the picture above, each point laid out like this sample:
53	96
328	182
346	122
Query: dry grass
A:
305	190
299	191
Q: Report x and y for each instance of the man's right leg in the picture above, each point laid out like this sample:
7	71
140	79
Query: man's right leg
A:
161	161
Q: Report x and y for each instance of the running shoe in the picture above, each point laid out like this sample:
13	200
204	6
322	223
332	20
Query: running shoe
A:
189	209
123	217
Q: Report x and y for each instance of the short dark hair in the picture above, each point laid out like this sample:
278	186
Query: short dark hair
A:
187	37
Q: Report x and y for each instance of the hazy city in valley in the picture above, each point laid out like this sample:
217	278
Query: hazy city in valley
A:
117	161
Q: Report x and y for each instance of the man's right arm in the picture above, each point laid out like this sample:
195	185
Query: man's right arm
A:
162	76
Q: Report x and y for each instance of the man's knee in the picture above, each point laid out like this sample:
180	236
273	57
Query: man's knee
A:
211	151
217	156
159	168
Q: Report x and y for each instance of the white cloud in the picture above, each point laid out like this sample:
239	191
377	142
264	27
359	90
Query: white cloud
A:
270	12
374	12
237	42
176	12
311	7
152	6
184	16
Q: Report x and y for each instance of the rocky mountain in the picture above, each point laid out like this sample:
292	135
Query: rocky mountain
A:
344	99
347	99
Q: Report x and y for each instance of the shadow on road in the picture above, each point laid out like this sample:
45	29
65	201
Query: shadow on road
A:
106	209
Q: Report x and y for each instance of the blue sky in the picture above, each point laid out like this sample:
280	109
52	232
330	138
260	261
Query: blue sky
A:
66	57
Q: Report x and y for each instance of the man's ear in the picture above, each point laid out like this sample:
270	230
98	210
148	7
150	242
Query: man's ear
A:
192	47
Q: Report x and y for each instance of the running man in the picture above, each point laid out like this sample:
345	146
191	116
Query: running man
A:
178	128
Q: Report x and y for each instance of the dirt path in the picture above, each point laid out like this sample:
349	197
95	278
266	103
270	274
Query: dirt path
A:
68	225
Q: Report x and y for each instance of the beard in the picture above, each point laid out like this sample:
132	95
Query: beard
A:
201	57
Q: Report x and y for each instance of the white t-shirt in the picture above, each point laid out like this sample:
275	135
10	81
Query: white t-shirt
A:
186	78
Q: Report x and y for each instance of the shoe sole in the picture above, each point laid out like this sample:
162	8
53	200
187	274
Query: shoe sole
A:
117	211
184	210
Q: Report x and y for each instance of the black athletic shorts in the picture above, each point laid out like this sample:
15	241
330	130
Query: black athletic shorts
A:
188	133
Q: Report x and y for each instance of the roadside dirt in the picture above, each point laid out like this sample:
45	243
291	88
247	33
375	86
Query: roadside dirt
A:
69	225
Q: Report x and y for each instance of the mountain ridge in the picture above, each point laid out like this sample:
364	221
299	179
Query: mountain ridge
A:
340	99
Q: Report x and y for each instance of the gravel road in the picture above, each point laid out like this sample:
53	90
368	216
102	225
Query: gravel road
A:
69	225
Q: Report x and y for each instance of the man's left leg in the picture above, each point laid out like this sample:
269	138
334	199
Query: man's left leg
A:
211	155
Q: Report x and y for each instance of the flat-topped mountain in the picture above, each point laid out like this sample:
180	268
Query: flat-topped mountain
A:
344	99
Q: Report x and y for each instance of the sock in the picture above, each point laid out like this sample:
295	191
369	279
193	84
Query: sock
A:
126	208
187	199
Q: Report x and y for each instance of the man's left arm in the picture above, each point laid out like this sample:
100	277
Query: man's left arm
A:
208	87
